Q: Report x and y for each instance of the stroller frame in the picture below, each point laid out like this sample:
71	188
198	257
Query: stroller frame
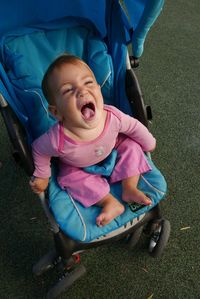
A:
65	255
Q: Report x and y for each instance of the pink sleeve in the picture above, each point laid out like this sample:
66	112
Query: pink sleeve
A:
42	151
135	130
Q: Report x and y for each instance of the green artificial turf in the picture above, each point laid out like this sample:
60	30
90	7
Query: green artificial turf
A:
169	75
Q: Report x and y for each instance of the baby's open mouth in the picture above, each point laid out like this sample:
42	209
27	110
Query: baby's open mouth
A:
88	111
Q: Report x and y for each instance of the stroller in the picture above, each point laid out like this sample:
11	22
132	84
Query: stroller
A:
99	34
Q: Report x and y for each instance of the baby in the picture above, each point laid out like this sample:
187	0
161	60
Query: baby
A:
86	133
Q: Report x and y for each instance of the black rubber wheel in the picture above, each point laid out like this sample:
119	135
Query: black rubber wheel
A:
45	263
159	238
134	237
65	282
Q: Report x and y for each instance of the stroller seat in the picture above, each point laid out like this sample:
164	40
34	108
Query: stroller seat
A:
80	223
27	56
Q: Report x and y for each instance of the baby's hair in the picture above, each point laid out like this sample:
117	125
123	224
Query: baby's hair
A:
56	64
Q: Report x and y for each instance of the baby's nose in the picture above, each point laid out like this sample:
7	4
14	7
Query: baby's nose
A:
82	93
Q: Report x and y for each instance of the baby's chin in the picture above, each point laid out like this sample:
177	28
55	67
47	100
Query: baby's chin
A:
95	121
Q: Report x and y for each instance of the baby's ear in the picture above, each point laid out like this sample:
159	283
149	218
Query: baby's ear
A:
53	110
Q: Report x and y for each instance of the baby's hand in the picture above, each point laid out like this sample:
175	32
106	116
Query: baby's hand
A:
152	149
38	185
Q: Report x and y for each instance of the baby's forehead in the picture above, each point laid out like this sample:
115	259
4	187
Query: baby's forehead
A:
80	64
63	68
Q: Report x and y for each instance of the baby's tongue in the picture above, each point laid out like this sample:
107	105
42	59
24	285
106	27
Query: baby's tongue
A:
87	112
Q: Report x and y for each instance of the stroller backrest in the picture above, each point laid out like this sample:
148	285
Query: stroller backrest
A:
27	55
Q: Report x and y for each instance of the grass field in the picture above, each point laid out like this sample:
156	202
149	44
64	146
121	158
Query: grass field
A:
169	75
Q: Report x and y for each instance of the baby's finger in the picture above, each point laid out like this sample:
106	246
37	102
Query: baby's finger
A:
31	183
36	190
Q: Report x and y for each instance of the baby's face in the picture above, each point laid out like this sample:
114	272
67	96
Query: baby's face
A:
78	97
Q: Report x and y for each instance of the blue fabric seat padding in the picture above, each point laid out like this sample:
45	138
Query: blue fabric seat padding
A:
79	222
28	55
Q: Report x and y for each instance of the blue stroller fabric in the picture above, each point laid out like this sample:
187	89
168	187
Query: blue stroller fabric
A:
107	18
145	14
28	55
25	55
80	223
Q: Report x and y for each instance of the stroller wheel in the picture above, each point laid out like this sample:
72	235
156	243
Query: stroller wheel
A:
159	238
66	281
47	262
134	237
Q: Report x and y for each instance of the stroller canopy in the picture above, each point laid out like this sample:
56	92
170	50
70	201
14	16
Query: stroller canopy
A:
141	14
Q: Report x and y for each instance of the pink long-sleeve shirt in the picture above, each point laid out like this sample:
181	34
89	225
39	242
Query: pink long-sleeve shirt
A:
82	154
